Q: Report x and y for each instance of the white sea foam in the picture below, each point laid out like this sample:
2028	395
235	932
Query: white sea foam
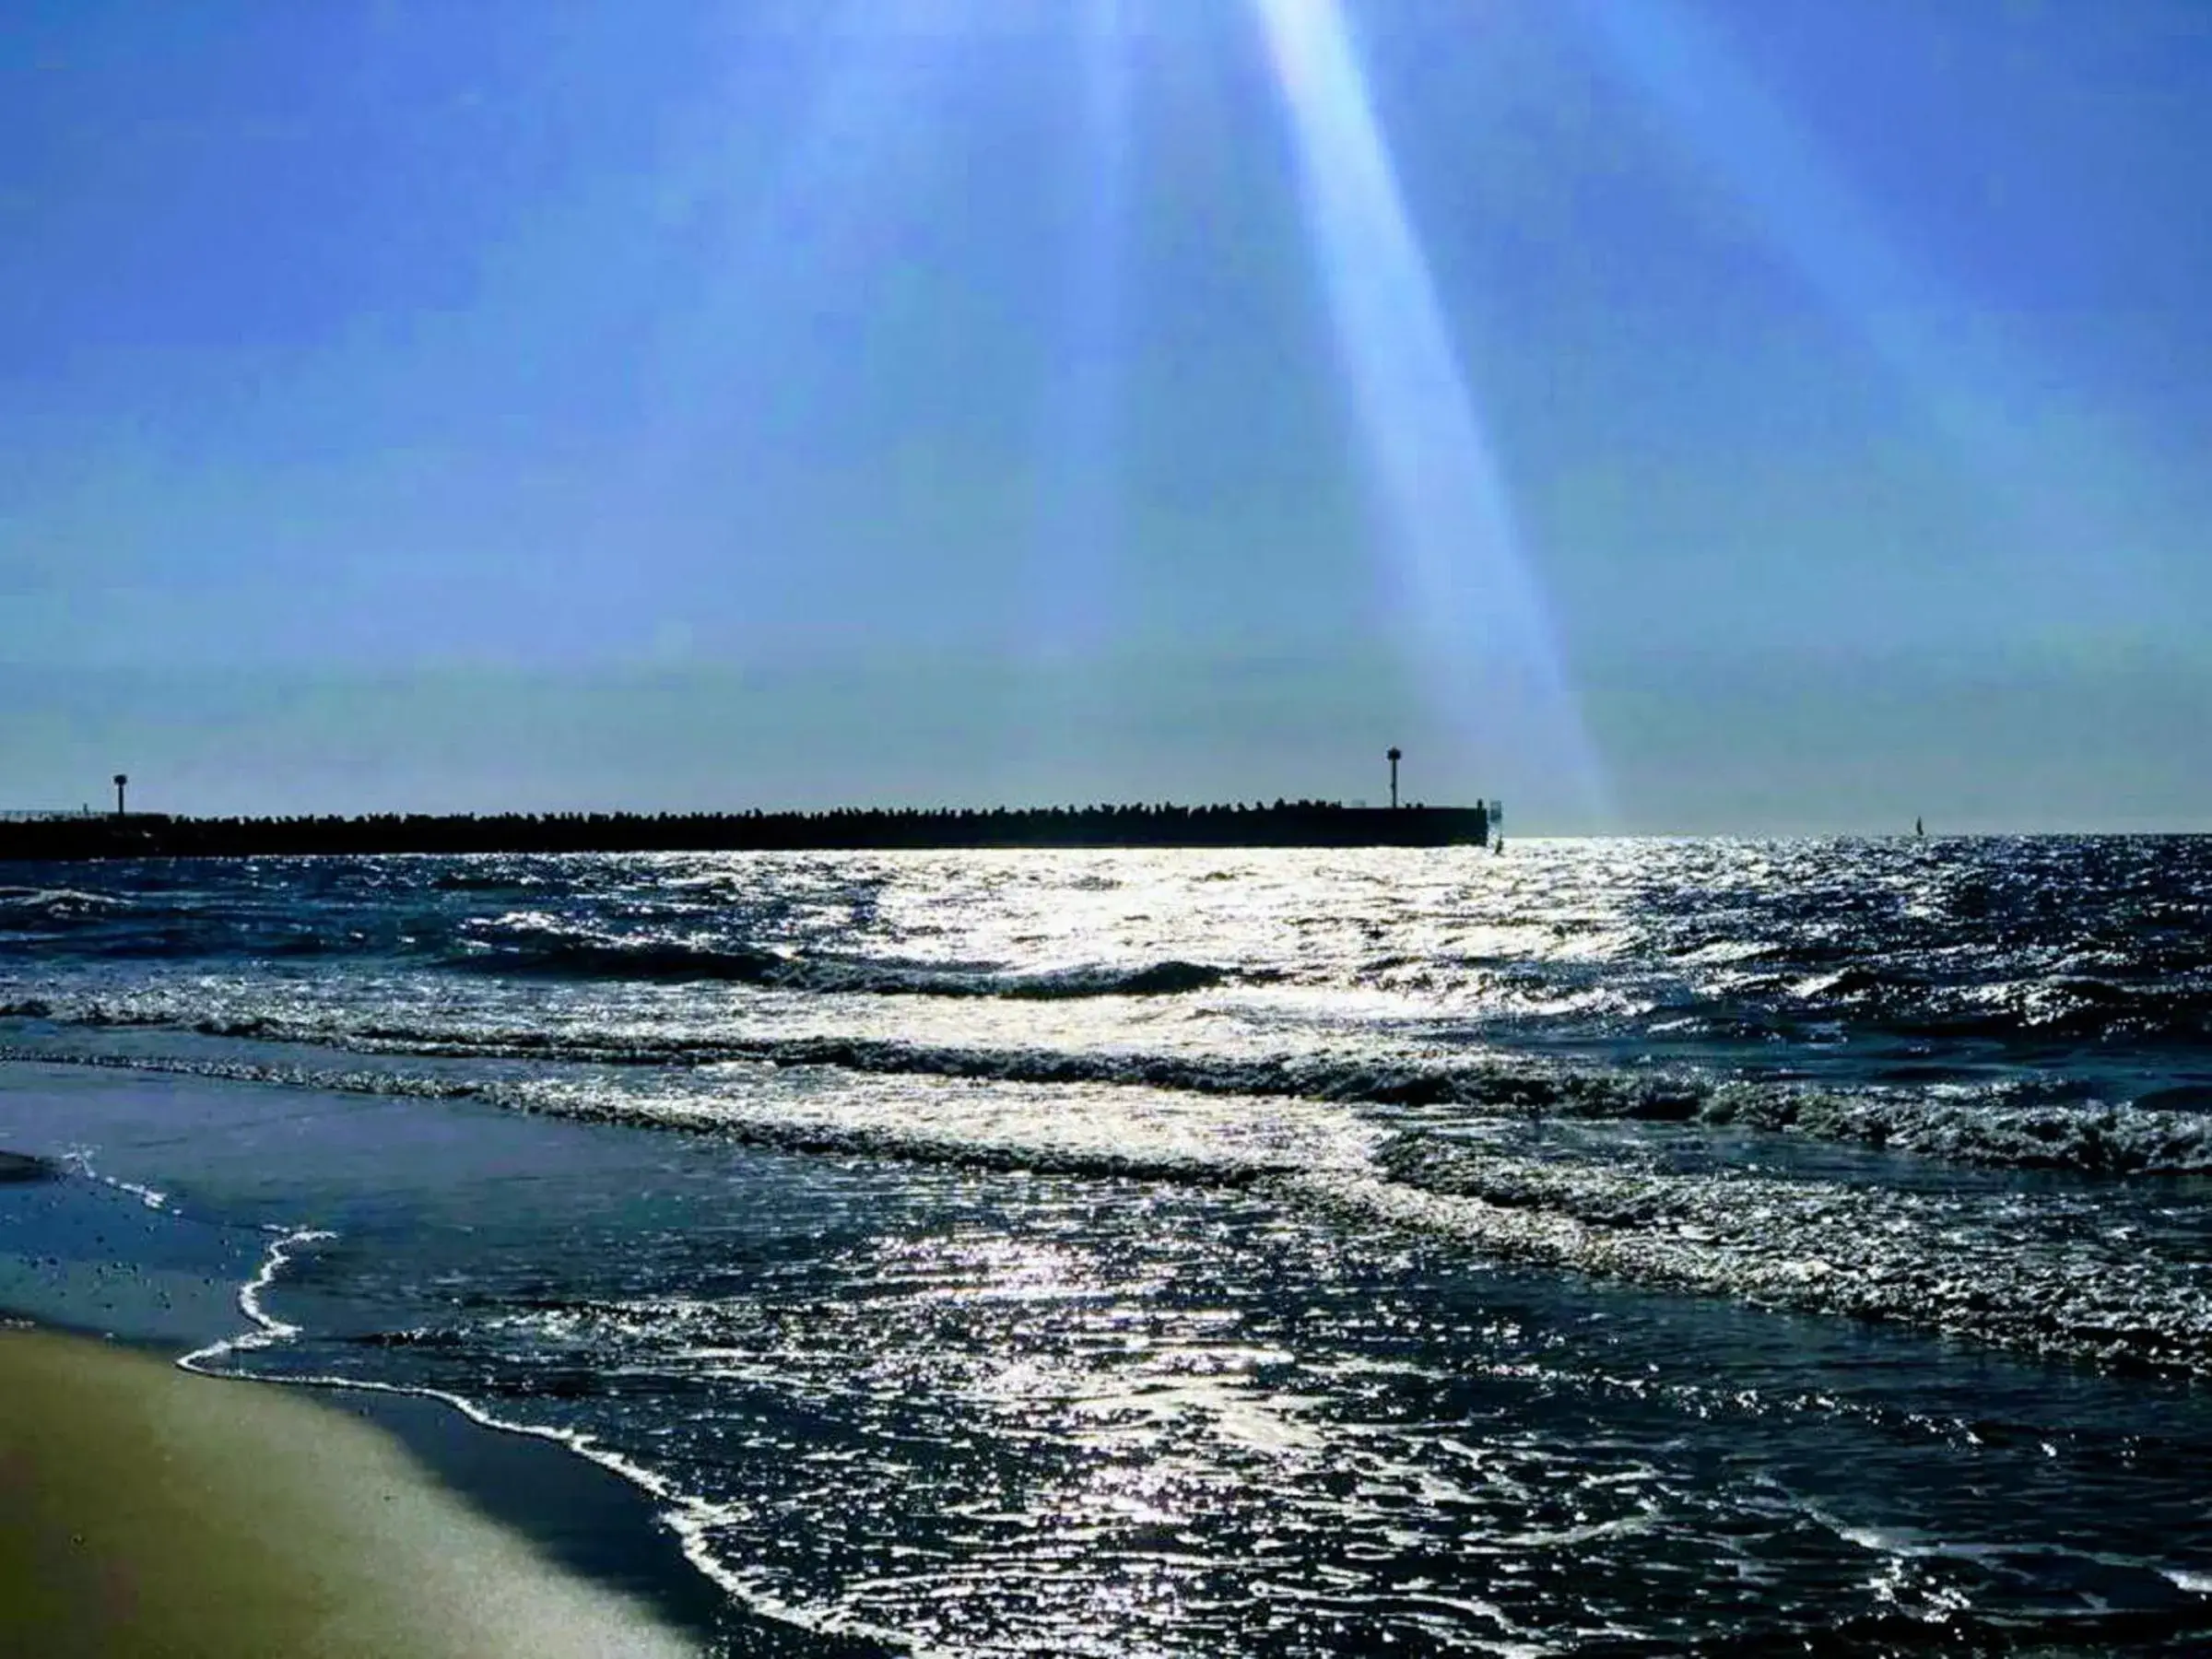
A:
692	1519
79	1161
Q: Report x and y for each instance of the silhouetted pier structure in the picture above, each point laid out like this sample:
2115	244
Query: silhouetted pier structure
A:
1285	824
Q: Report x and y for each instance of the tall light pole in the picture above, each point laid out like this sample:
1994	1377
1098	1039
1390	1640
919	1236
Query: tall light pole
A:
121	779
1395	755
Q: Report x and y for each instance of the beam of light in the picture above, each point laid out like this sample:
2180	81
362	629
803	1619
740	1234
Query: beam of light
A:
1483	643
2003	421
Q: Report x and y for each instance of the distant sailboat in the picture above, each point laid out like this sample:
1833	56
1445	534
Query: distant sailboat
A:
1919	829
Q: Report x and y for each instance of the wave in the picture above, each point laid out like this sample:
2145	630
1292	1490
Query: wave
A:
1990	996
2152	1136
2092	1138
41	909
507	880
614	959
95	1015
13	897
1817	1247
1229	1164
570	957
354	1081
1963	1263
2063	1007
2166	1130
2178	1631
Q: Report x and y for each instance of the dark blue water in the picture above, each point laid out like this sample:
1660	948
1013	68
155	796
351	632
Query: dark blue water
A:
1610	1246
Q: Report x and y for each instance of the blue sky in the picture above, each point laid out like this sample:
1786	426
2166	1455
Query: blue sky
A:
1668	415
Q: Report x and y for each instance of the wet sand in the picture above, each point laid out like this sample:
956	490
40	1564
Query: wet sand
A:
145	1510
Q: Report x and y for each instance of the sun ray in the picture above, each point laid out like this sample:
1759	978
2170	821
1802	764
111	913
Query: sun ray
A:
1457	565
2002	419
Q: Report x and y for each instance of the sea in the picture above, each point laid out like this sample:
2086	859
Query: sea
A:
1603	1247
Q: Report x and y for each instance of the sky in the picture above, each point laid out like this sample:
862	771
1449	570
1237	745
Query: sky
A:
1752	416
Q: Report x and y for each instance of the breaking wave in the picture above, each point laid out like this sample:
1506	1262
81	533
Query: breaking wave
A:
572	957
41	910
2000	1126
1980	1269
2049	1280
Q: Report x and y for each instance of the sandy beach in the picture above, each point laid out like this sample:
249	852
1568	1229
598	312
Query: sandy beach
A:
145	1510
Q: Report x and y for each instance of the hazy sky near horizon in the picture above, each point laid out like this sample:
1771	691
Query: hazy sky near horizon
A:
1667	415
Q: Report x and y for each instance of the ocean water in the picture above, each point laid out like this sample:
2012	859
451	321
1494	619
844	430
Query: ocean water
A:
1603	1247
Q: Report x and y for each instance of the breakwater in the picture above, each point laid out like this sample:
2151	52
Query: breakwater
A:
1285	824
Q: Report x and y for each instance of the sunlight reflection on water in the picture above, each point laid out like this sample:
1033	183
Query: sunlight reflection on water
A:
1241	1253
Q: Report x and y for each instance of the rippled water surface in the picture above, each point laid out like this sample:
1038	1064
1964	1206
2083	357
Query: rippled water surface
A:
1607	1246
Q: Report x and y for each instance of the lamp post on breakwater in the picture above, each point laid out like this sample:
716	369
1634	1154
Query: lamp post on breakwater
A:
1395	755
121	780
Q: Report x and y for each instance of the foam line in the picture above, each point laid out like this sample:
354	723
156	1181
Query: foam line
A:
79	1161
2169	1133
689	1517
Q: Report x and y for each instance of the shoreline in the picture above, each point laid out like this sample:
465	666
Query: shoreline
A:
500	1524
149	1509
555	1523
